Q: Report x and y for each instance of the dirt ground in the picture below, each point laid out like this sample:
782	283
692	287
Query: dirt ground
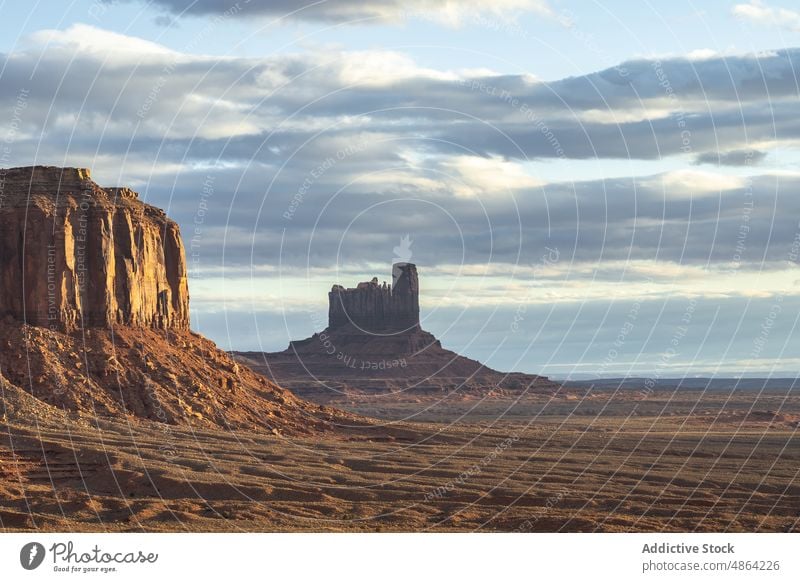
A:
612	461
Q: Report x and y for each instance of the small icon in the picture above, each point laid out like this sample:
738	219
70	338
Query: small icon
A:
402	251
402	255
31	555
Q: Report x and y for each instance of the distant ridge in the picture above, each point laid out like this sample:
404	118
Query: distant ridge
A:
716	383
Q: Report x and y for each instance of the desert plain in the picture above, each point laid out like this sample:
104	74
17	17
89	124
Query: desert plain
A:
582	460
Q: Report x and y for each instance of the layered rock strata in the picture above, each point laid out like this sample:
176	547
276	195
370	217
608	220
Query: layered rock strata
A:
73	254
94	317
378	308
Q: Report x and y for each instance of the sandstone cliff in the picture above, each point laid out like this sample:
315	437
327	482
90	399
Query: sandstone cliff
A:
73	254
94	317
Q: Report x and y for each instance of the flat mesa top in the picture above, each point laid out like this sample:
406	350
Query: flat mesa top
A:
47	173
53	180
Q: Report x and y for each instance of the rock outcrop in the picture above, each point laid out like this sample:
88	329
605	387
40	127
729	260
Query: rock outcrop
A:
73	254
94	317
374	345
375	308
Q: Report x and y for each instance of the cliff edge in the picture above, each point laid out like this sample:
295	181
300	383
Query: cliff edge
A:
94	317
73	254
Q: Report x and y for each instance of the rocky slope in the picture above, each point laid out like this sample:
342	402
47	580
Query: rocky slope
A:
374	345
174	377
95	316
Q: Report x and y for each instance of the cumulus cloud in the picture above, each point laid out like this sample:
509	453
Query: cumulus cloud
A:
760	13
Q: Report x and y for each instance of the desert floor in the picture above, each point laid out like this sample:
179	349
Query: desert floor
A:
606	461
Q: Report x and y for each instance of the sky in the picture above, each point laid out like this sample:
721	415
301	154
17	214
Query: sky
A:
590	188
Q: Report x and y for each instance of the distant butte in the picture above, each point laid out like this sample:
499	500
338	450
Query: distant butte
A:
374	345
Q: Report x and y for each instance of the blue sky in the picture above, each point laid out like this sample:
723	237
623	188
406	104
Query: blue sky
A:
604	33
652	145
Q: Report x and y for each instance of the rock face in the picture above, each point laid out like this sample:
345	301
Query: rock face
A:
374	345
94	317
73	254
375	308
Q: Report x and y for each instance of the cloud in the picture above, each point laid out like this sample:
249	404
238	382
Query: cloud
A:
451	12
452	158
91	41
102	83
378	68
745	158
689	183
760	13
478	176
366	147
